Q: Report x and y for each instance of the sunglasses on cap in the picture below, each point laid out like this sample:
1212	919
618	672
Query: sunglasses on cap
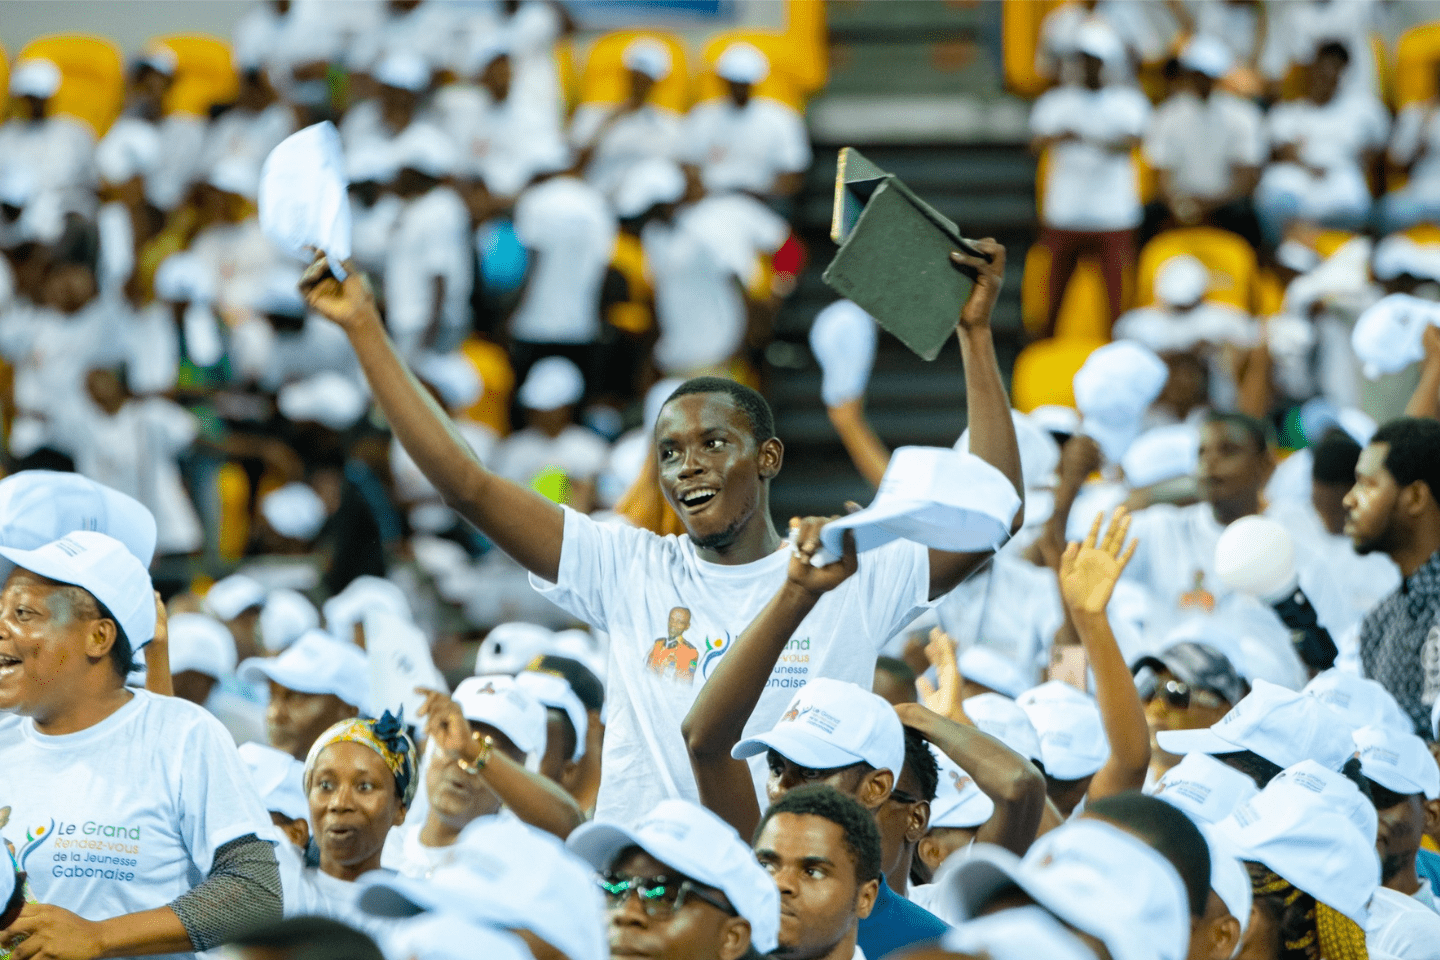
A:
1176	693
661	897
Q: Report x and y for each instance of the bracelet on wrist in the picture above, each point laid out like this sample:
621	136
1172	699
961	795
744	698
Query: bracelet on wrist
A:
487	746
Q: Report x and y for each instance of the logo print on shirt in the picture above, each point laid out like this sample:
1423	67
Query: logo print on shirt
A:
34	837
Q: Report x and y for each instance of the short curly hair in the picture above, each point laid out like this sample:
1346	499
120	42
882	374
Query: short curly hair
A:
751	403
862	836
921	764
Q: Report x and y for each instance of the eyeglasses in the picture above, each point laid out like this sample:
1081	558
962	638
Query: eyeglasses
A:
1179	694
661	897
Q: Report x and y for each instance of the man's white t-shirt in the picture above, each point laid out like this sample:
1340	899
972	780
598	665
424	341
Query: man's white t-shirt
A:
1401	927
1090	186
1200	142
745	148
126	815
571	230
431	240
633	584
1416	130
651	131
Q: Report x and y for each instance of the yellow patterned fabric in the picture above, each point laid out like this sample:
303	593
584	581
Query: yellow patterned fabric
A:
1340	937
386	737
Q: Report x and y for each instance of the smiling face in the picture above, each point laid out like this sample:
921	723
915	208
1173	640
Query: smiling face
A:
48	644
821	900
712	472
353	805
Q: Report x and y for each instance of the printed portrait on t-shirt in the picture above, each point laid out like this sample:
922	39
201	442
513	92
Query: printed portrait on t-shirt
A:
673	656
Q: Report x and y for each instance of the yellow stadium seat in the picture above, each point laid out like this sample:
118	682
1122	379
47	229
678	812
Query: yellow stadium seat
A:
204	74
782	84
4	81
1427	234
492	363
1227	256
233	488
1269	293
1416	54
1045	371
604	79
1084	312
565	73
93	71
1326	242
1020	37
808	56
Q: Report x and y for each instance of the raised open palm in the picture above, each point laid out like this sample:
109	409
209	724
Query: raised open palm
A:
1090	570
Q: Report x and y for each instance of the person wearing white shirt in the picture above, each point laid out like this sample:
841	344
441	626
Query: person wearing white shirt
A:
1415	148
252	127
744	142
1322	144
1143	29
232	243
56	151
612	138
1091	195
551	440
179	162
425	29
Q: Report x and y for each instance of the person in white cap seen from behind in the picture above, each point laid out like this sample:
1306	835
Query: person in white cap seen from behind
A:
285	617
1405	786
315	683
92	750
346	611
55	149
236	601
681	885
958	811
1072	740
743	142
202	653
566	726
611	138
551	439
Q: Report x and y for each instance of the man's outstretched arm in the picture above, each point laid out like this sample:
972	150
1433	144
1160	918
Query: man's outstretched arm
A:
521	522
992	432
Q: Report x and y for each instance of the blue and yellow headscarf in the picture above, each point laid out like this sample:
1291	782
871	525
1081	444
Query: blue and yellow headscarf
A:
386	737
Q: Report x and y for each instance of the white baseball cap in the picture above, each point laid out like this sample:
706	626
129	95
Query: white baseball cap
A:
1205	54
509	647
554	693
1336	789
233	595
1181	281
1160	454
842	338
1204	789
40	506
1093	876
1398	761
1303	837
1228	876
160	58
1098	39
286	615
1387	336
648	183
279	779
696	842
1281	725
1002	718
1113	389
498	864
103	566
1255	556
453	376
983	664
1019	934
552	383
237	175
1039	453
1053	418
426	148
444	936
200	642
502	703
958	802
363	595
403	70
35	77
1072	736
316	663
1360	701
328	398
295	511
648	56
742	63
831	723
127	151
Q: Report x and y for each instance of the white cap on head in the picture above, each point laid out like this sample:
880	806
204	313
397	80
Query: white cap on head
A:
281	294
328	398
1280	725
316	663
235	175
403	70
1072	736
1336	789
554	693
503	704
983	664
185	278
1094	877
1229	877
1387	336
1294	255
742	63
1207	55
160	58
1162	453
648	56
843	338
648	183
1398	761
1053	418
485	51
128	150
370	162
1301	835
1204	789
697	843
426	148
233	595
832	723
295	511
1360	701
444	936
201	643
279	779
1019	934
498	865
285	617
103	566
509	647
39	506
361	596
1002	718
1039	453
1098	39
958	802
1113	389
452	376
35	77
552	383
1182	281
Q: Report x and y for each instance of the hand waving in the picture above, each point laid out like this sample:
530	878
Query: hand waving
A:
346	304
1090	570
445	724
943	698
806	539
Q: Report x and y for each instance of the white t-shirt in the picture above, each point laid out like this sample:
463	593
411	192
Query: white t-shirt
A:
628	582
699	305
1415	128
1164	330
639	135
126	815
242	257
58	153
247	135
579	451
1012	607
505	144
311	893
571	230
1330	136
745	148
1089	186
411	858
431	239
1199	142
1401	927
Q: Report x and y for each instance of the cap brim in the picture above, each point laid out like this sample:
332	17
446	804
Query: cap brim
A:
261	669
40	562
598	843
1181	742
394	896
798	747
971	882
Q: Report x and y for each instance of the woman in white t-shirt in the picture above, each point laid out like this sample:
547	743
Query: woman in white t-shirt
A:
143	834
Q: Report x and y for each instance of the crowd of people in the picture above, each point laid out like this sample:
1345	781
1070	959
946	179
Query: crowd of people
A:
1153	677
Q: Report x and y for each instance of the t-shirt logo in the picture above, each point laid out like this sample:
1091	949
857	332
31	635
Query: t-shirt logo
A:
672	656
